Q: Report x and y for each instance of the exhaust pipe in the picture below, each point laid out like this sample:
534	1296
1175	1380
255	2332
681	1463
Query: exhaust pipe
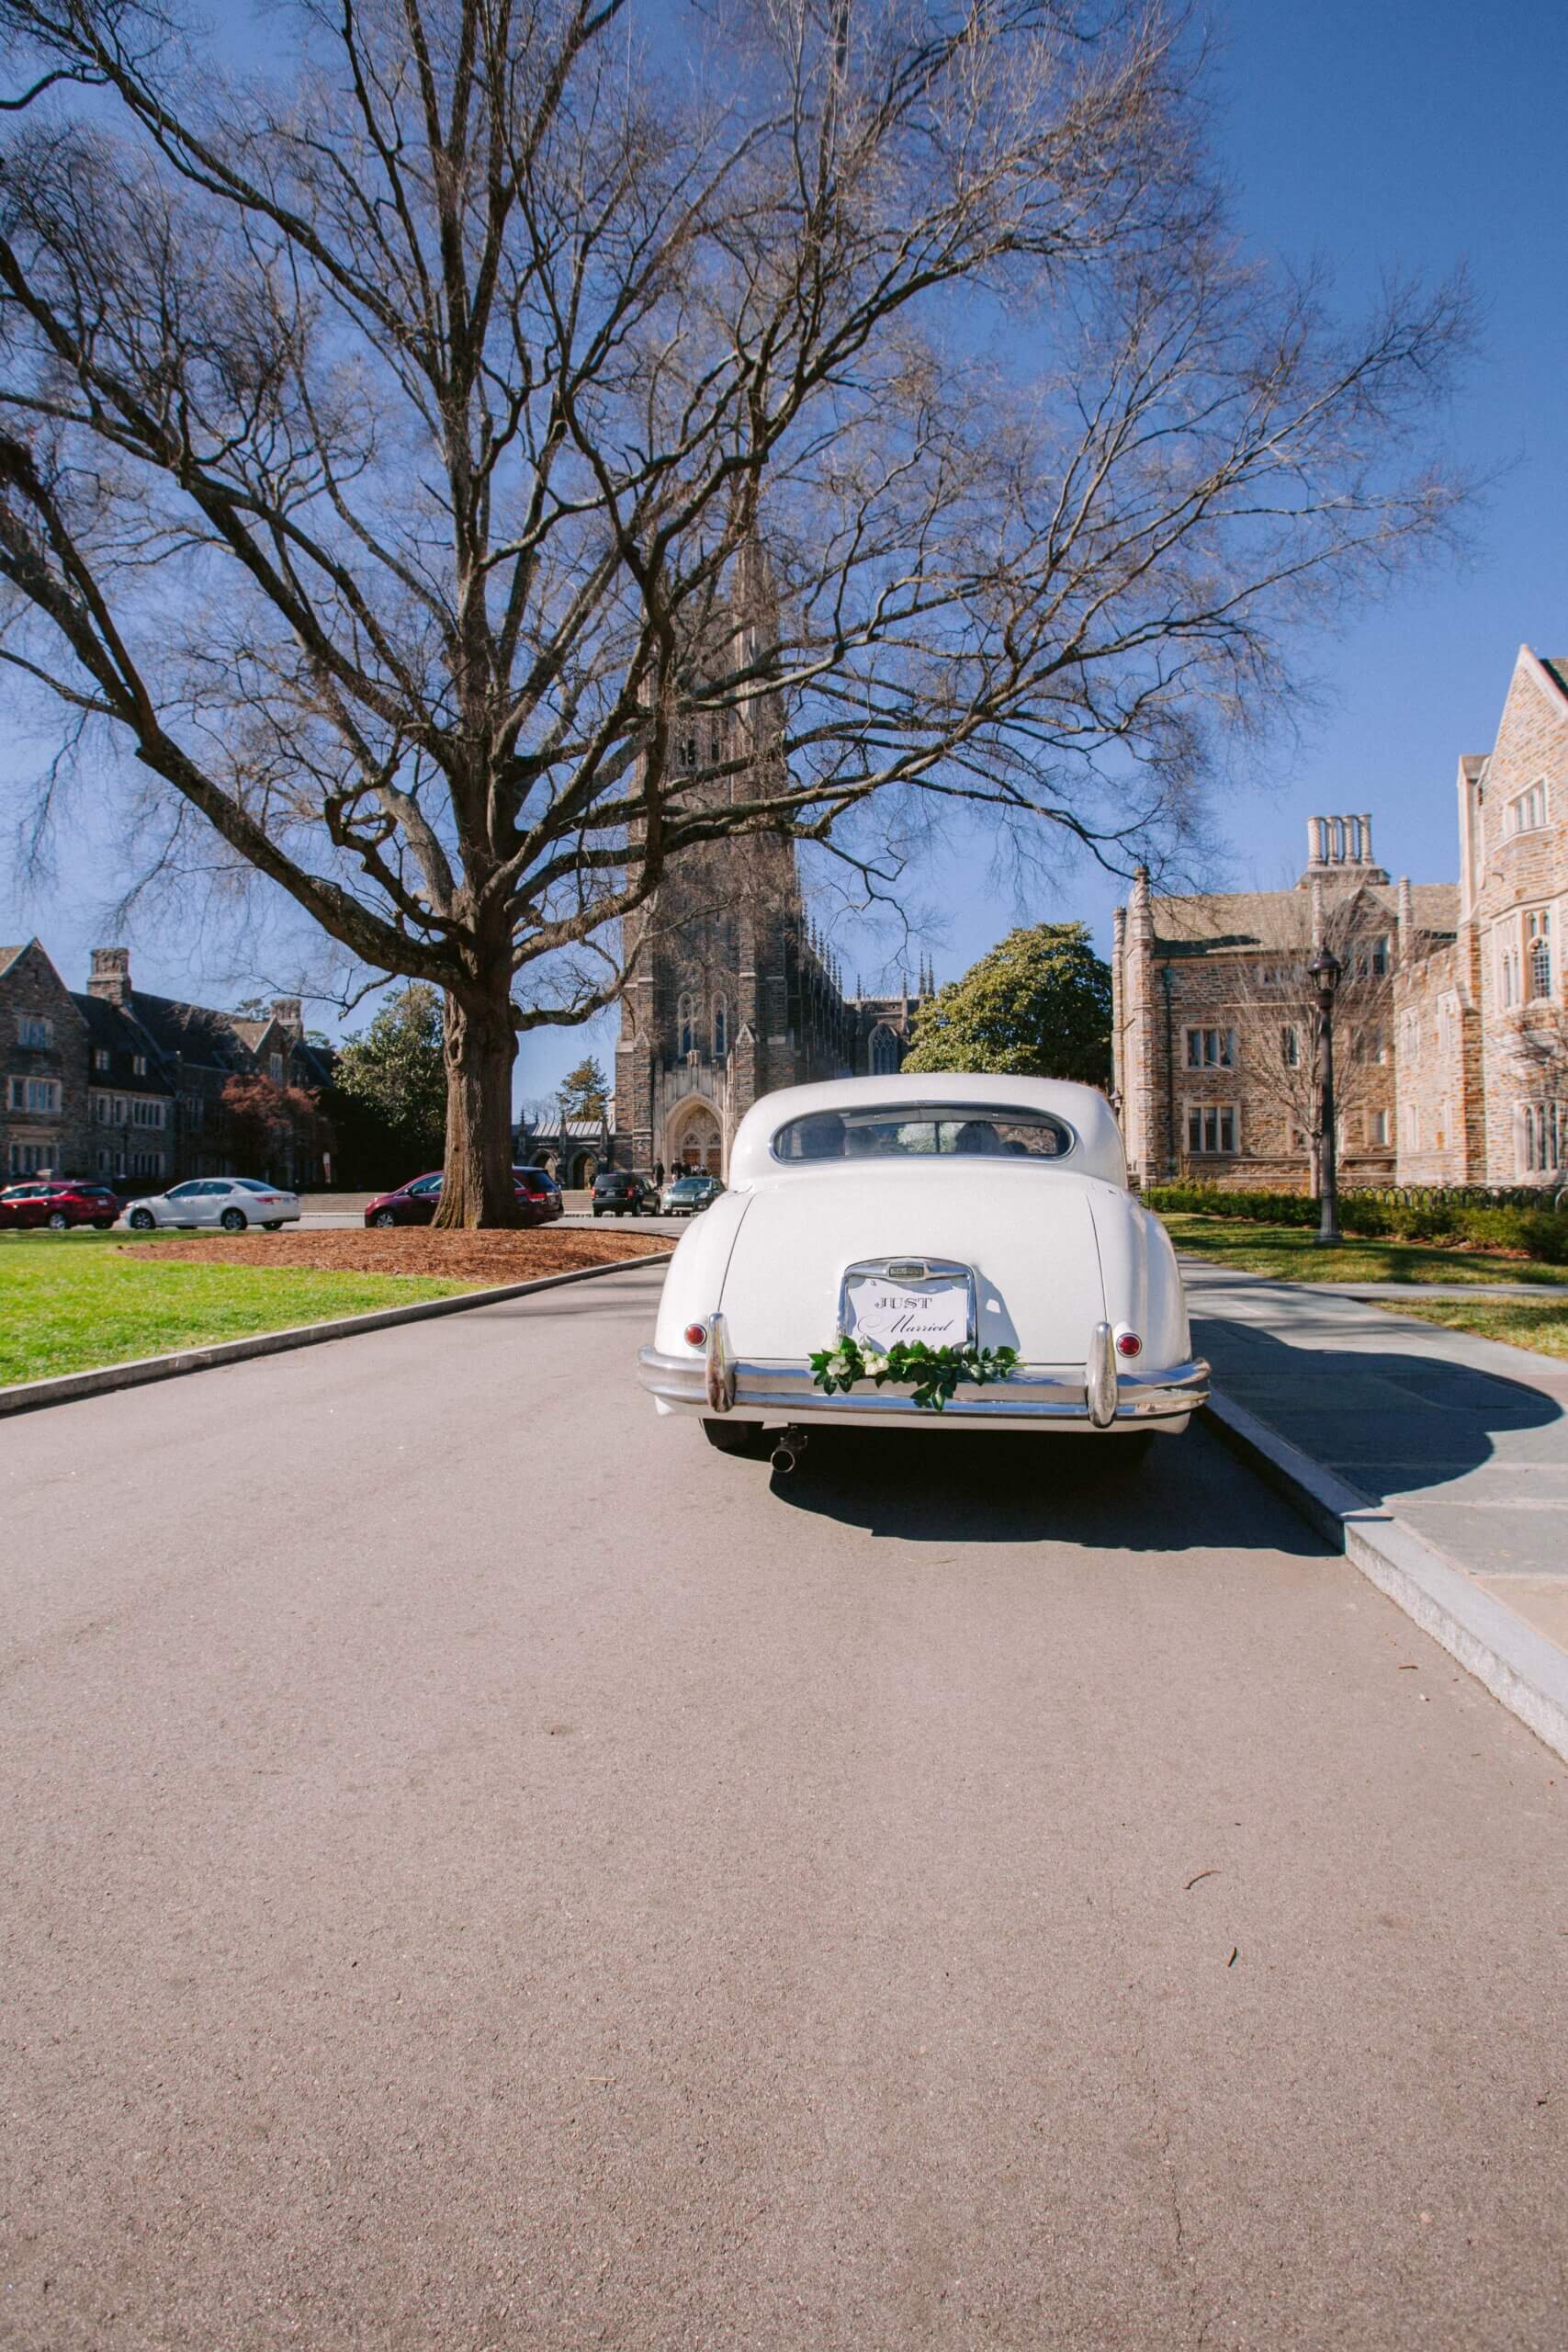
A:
787	1450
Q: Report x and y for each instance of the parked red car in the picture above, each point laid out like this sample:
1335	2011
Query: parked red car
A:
538	1195
58	1204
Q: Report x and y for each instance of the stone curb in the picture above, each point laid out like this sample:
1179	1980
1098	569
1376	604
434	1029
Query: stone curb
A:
1519	1667
28	1396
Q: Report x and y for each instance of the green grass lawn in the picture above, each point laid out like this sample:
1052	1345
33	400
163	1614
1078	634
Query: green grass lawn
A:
71	1301
1288	1253
1519	1322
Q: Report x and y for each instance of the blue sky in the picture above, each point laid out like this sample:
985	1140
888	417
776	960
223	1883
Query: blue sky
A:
1380	135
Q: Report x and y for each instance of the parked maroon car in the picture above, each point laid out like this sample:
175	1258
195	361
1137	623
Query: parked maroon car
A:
60	1204
416	1203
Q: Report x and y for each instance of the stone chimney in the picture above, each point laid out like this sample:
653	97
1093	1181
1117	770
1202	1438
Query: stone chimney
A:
110	977
288	1013
1405	918
1339	850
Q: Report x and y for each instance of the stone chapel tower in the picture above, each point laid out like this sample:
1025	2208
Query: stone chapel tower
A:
735	992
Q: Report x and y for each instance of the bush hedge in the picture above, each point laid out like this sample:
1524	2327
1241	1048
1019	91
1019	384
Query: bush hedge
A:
1393	1215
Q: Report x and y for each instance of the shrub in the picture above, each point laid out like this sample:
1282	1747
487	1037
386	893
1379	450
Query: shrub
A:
1512	1221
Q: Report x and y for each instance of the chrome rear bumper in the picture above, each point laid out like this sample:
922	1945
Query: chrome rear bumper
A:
786	1392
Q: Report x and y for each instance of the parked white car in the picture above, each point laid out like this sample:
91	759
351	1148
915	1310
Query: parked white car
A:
958	1252
233	1203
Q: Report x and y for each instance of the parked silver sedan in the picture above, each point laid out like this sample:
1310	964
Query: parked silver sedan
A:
232	1203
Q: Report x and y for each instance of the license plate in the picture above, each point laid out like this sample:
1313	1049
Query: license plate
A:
879	1313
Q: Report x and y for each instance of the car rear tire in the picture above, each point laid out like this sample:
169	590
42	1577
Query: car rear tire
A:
749	1440
383	1217
57	1221
141	1221
233	1220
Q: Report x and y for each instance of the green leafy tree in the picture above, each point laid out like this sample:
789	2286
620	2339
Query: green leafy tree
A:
1037	1006
394	1076
584	1092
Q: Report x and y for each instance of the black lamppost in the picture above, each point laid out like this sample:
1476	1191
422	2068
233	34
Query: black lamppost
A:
1324	972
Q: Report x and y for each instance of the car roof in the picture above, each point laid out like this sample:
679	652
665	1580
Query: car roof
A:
1098	1150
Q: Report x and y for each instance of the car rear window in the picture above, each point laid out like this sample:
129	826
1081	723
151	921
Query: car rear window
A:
924	1131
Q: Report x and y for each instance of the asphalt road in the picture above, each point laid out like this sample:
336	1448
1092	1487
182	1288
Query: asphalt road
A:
485	1871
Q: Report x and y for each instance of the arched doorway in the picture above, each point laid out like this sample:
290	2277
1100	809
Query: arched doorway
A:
696	1143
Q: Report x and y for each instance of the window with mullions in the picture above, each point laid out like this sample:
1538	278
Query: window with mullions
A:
720	1030
884	1052
1527	810
1290	1045
1544	1138
1211	1126
1210	1050
685	1017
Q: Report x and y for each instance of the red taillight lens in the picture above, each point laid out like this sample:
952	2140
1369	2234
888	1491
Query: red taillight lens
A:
1128	1344
696	1335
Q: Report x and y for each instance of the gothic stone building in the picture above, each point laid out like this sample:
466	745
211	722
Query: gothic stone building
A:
115	1083
1450	1033
734	994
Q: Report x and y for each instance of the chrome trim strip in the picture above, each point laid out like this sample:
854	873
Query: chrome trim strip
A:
788	1391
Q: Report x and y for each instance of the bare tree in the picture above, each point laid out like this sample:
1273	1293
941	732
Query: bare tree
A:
524	440
1279	1036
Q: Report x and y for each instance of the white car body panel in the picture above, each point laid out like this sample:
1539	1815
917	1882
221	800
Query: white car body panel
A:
1066	1264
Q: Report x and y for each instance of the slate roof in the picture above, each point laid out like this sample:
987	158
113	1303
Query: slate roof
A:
9	957
1242	918
192	1032
1557	664
112	1030
574	1130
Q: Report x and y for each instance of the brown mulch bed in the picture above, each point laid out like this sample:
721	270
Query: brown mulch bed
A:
413	1250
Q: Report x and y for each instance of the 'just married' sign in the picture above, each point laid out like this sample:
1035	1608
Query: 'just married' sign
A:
879	1313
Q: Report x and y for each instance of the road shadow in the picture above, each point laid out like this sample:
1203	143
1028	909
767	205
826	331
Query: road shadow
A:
1388	1422
1185	1493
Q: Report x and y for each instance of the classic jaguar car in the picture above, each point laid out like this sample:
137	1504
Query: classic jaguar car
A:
961	1251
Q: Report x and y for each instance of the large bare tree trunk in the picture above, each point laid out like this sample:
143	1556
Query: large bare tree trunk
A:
481	1045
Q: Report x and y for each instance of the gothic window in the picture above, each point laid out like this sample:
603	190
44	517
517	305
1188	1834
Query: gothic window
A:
1543	1133
883	1051
1290	1045
720	1030
685	1014
1538	953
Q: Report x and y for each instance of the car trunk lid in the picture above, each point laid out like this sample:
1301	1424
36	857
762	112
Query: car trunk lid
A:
1026	1232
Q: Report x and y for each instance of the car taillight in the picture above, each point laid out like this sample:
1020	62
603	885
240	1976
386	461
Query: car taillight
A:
696	1335
1128	1344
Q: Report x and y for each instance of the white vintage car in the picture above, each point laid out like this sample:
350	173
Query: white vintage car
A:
961	1251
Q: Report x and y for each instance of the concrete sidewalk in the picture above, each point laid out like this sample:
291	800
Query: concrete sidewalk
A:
1463	1440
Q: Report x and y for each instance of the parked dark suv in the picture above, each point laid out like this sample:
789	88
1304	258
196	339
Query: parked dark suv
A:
620	1191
